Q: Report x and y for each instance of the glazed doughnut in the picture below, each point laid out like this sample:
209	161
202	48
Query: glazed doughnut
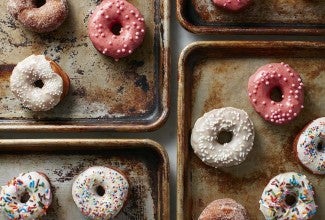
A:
27	196
39	83
206	132
100	192
309	146
224	209
104	26
41	19
276	76
232	5
288	196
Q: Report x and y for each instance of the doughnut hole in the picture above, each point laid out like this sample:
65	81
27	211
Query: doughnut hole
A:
224	137
276	94
38	83
39	3
321	146
290	199
24	197
100	190
116	28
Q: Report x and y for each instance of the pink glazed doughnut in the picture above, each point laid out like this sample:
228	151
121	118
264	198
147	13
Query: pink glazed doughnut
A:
276	76
232	5
116	28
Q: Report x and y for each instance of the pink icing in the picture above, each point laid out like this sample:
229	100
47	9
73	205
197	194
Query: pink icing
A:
232	5
112	13
288	81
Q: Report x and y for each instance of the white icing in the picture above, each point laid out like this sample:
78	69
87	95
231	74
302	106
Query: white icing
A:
308	153
26	73
39	190
205	132
273	204
93	205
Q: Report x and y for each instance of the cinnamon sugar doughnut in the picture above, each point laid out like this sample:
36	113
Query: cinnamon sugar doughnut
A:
224	209
40	19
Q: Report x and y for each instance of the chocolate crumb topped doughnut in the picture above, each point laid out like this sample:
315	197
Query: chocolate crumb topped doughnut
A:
26	197
223	137
100	192
39	83
224	209
39	15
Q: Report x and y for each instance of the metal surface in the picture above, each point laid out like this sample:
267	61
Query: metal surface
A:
144	162
262	17
214	75
128	95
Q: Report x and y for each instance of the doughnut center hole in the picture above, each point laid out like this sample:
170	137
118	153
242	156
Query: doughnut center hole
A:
39	3
290	199
39	84
276	94
24	197
100	190
321	146
116	28
224	137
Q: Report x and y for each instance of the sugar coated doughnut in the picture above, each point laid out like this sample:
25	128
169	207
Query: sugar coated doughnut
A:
39	83
309	146
26	197
208	129
288	196
100	192
224	209
271	77
232	5
39	18
116	28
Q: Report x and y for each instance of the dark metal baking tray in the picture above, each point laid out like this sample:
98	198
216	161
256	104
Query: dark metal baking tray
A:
144	162
214	75
128	95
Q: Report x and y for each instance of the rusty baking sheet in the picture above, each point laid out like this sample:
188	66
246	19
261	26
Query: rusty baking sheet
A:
262	17
144	162
214	75
128	95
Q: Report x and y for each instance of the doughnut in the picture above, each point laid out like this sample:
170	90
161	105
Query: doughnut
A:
272	77
207	133
36	17
116	28
309	146
224	209
100	192
39	83
232	5
27	196
288	196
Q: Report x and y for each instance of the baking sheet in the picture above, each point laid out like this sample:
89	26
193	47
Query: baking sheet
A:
128	95
144	162
214	75
262	17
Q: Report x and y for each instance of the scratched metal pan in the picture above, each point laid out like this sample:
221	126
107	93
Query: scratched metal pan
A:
128	95
214	75
302	17
144	162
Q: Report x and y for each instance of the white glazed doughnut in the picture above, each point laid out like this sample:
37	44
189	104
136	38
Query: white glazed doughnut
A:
33	69
310	146
204	139
100	192
14	201
288	196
